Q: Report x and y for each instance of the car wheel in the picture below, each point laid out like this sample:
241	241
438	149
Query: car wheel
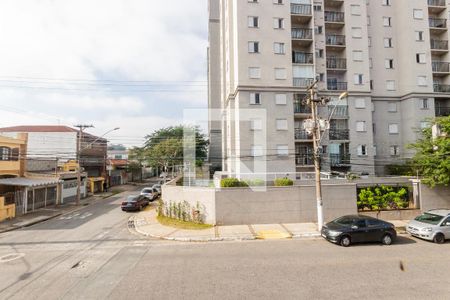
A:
439	238
345	241
387	239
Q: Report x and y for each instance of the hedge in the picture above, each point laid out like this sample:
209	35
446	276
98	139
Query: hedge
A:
283	182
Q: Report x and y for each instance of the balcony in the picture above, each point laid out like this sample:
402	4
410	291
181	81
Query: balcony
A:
339	160
301	9
300	134
301	108
301	37
334	18
336	86
339	134
441	88
303	82
437	24
442	111
436	3
304	160
436	6
339	111
439	46
441	68
337	63
302	58
335	42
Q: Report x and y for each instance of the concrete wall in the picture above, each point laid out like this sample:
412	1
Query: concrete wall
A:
438	197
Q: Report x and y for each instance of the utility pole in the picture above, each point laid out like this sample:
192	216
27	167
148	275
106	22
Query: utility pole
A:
80	139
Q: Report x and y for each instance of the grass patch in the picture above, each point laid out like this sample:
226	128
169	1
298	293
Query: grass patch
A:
182	224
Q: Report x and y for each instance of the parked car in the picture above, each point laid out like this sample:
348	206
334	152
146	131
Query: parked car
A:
158	188
433	225
150	193
134	203
352	229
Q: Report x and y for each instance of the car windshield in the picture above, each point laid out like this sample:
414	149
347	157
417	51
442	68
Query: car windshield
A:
345	221
147	191
131	198
429	218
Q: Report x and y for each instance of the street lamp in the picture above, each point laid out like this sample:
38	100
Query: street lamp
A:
79	150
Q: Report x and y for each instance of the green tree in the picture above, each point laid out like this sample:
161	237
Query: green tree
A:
166	153
432	157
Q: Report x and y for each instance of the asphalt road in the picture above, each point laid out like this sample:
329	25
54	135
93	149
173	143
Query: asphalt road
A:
91	254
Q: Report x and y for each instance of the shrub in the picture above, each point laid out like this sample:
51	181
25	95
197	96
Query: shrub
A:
383	197
283	182
232	182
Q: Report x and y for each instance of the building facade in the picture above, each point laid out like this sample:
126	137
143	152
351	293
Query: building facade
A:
390	56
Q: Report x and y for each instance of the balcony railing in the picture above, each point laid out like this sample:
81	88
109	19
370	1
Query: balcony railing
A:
304	160
441	67
441	88
437	23
302	58
436	2
337	63
301	108
339	134
336	86
301	9
300	134
340	111
303	82
335	40
338	160
334	16
439	44
442	111
302	34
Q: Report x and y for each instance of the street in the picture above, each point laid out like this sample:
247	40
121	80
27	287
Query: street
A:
91	254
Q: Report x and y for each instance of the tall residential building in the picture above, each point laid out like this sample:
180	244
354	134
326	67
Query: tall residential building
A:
390	55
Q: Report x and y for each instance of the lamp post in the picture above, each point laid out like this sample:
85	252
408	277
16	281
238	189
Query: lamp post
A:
79	150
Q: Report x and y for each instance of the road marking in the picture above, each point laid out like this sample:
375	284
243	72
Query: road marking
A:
10	257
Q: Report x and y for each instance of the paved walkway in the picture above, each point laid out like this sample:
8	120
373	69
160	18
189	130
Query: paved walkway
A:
146	224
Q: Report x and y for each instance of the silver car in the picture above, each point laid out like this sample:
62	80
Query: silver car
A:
150	193
433	225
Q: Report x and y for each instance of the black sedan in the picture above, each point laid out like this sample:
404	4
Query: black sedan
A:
134	203
348	230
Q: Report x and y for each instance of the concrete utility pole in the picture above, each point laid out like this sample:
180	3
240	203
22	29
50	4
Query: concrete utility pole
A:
80	139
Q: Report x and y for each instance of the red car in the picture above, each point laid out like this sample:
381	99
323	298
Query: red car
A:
134	203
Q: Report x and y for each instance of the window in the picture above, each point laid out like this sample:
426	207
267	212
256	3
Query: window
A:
357	55
319	53
356	32
386	2
423	103
5	153
257	151
420	58
282	124
360	103
374	150
280	73
390	85
255	124
422	80
317	7
361	126
362	150
389	63
278	48
358	79
278	23
278	1
356	10
255	98
253	1
387	21
387	42
254	72
392	107
394	151
419	36
418	14
253	22
393	128
280	99
253	47
283	150
318	30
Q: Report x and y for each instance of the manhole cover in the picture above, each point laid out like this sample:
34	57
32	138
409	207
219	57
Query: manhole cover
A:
11	257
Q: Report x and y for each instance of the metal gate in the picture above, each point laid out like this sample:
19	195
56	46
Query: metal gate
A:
40	198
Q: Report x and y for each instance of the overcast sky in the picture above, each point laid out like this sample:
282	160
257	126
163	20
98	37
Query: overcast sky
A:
134	64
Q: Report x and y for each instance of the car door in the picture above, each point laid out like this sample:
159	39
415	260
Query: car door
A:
359	231
375	230
445	227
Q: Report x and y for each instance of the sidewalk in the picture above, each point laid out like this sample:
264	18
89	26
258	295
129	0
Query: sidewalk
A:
146	224
48	213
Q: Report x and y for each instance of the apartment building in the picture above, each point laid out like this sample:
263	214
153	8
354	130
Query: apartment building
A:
391	56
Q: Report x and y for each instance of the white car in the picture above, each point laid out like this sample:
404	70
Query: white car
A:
158	188
433	225
150	193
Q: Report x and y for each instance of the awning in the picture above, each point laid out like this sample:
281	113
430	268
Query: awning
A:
29	182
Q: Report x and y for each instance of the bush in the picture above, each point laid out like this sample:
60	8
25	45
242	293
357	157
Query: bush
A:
383	197
283	182
232	182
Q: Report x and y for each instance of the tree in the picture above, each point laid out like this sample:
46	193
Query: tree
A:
432	157
166	153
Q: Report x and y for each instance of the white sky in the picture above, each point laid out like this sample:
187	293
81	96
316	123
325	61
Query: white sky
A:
134	64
